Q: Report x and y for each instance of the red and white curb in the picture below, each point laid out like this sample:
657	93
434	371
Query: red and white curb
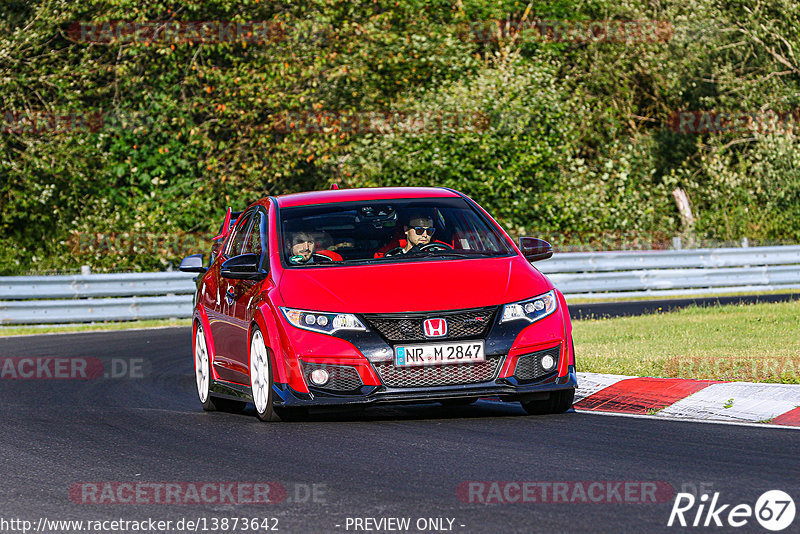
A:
678	398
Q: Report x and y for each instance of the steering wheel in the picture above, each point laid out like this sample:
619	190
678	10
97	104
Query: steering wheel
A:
315	258
321	258
416	249
435	246
394	251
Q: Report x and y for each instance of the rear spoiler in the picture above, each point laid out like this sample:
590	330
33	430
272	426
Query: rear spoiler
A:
230	219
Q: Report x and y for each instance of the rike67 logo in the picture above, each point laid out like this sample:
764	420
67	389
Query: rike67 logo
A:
774	510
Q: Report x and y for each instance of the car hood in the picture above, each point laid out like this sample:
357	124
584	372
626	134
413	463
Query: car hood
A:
412	286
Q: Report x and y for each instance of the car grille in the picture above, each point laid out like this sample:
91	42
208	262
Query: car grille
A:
438	375
473	323
529	366
342	377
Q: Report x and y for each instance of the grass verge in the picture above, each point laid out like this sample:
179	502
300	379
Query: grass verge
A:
749	342
92	327
600	298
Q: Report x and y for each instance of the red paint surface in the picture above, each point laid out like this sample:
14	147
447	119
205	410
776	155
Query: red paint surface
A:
790	418
640	395
357	195
412	287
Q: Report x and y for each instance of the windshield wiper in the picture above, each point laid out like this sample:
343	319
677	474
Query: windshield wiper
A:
360	261
423	254
459	253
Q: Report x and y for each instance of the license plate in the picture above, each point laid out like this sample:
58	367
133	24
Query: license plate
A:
439	353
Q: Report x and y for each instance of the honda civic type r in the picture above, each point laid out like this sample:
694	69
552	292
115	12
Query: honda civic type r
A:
372	296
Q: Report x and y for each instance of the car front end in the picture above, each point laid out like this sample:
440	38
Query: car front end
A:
498	351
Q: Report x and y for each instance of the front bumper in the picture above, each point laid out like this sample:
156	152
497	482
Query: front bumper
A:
506	389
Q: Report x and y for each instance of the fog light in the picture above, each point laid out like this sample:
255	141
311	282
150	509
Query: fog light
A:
319	377
548	362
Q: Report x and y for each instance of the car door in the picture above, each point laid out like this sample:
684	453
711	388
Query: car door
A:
246	292
224	327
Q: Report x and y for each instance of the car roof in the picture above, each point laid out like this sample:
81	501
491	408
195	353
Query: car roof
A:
361	194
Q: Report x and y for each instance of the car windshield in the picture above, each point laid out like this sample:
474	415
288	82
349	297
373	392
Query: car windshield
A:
380	231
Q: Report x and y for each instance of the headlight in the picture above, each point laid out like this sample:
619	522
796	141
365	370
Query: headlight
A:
532	309
326	323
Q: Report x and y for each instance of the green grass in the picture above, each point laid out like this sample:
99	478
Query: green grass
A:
94	327
600	298
753	343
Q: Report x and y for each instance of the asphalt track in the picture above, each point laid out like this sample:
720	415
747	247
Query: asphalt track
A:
385	462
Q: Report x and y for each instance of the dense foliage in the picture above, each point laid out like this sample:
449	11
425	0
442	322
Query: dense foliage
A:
139	145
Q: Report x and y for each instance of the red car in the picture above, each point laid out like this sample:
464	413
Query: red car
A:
374	296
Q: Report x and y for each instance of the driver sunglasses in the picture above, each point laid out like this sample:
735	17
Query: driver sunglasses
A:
420	229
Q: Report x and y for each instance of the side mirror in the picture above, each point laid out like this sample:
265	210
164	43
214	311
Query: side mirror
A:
193	264
243	267
535	249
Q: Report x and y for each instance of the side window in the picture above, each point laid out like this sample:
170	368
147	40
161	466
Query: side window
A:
256	242
239	233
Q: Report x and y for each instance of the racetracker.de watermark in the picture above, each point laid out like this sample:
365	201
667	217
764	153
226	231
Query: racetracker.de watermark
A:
72	368
574	31
176	32
723	122
381	122
39	122
168	493
176	244
558	492
746	369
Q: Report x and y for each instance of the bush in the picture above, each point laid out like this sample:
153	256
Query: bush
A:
570	140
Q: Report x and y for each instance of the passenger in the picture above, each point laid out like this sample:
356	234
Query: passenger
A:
302	250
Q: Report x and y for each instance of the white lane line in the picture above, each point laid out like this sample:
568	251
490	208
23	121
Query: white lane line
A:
736	401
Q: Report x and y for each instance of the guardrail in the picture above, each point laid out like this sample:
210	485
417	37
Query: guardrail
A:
664	273
123	297
95	297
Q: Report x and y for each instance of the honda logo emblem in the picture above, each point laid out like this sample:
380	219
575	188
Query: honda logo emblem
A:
435	327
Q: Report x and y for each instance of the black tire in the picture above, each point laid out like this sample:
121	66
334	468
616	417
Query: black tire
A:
261	377
559	402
